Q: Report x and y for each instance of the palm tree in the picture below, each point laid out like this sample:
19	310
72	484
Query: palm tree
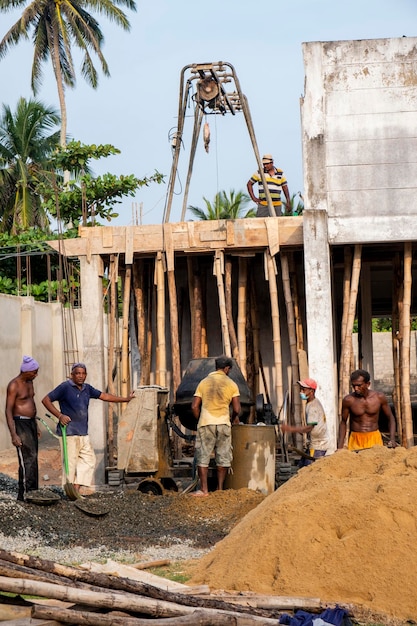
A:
57	26
26	144
224	207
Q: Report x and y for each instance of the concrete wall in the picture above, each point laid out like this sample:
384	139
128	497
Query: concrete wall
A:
360	171
359	138
32	328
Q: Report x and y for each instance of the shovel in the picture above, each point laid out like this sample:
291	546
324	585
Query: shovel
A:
69	488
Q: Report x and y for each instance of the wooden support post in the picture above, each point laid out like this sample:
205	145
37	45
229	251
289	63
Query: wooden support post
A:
407	420
113	277
276	331
125	382
218	272
295	373
229	307
353	297
160	322
241	313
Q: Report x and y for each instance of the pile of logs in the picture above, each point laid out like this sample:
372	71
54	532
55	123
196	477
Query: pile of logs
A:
98	599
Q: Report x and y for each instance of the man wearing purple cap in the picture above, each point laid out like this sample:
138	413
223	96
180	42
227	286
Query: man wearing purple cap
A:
23	426
316	426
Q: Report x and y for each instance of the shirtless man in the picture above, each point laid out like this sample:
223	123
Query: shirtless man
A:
23	426
363	406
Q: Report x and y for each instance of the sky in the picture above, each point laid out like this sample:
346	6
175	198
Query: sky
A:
136	109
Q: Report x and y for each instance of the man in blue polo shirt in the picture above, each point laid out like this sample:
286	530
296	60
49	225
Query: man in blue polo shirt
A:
74	397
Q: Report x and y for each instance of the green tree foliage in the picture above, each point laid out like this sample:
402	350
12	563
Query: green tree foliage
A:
224	207
85	198
24	267
293	208
27	140
55	28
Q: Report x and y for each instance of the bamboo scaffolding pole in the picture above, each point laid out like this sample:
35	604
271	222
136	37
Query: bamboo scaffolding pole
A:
396	393
175	341
254	322
295	372
407	420
353	297
241	313
296	302
194	315
125	382
138	289
161	371
149	308
347	275
229	307
276	336
218	272
113	273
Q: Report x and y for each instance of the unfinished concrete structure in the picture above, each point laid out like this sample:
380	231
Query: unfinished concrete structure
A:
360	177
196	285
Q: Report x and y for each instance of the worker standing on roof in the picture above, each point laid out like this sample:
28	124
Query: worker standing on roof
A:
276	183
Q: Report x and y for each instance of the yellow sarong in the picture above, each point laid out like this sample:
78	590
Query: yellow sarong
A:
361	441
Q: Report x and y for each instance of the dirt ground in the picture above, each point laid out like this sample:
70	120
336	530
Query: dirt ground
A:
134	520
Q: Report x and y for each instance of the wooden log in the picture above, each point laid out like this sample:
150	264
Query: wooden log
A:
229	308
116	583
126	601
71	616
149	564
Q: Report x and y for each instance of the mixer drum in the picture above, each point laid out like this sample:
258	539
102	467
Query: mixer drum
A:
197	369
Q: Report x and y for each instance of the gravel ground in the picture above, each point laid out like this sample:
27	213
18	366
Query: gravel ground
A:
137	526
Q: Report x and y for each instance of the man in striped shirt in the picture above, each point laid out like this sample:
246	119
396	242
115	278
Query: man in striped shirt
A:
276	182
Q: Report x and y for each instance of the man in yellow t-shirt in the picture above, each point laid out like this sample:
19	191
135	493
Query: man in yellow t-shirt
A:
211	407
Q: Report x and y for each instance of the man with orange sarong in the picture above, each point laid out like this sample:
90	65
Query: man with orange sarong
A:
362	407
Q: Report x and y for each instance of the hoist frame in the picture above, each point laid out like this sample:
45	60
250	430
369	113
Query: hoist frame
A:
210	97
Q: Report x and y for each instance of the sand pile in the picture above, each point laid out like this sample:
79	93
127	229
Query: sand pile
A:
342	530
